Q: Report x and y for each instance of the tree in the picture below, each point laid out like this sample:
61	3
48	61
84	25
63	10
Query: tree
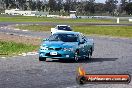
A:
123	5
67	6
59	5
89	6
128	8
52	5
73	5
30	3
99	7
80	7
21	4
9	3
92	7
34	5
39	5
110	5
2	4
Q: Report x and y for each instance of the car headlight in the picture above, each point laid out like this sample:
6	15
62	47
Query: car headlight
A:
68	49
43	48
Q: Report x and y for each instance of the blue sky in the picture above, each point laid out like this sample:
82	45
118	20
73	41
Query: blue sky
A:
100	1
104	1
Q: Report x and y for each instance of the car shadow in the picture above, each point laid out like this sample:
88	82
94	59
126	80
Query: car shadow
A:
92	60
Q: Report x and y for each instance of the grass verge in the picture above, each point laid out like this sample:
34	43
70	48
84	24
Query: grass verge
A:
53	20
116	31
12	48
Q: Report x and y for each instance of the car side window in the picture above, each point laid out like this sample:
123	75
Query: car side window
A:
56	27
84	37
81	38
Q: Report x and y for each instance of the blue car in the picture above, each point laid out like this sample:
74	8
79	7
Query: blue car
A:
66	45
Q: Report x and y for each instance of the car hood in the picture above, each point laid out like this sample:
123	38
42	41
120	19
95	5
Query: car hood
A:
59	44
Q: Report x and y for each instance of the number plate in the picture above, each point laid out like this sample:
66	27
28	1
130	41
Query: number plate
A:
53	53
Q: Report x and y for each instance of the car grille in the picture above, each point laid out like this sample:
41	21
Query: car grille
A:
57	49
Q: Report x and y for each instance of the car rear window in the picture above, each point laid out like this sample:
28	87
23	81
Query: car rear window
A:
66	28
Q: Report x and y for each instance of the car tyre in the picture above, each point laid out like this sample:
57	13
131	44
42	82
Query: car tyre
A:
91	52
88	56
76	58
42	59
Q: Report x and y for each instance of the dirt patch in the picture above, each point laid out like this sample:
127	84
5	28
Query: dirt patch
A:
19	39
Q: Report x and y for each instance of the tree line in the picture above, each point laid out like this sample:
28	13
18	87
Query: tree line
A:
83	7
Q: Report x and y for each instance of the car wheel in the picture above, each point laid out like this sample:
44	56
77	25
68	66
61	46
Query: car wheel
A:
76	58
42	59
88	56
90	53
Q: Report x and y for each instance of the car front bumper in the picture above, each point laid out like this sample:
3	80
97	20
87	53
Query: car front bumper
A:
60	54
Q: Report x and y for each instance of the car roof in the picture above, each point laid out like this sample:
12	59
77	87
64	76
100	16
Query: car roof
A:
67	32
63	25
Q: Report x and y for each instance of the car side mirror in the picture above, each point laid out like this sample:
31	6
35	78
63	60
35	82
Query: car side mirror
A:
82	42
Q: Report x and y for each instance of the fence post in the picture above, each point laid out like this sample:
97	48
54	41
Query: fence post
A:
118	20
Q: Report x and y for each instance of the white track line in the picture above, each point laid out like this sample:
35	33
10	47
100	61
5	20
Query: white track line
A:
24	30
3	57
28	54
32	53
17	29
72	87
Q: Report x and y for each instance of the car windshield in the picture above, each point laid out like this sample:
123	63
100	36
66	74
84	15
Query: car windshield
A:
63	37
66	28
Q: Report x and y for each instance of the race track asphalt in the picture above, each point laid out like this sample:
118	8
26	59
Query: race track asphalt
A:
111	56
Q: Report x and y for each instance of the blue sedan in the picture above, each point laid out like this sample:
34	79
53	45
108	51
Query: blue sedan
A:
66	45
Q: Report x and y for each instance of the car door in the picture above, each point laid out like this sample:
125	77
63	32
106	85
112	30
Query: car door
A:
81	46
86	45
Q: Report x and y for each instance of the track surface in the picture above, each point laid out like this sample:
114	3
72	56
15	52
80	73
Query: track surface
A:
111	56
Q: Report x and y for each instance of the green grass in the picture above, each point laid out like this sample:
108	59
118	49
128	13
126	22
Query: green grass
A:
54	20
116	31
12	48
